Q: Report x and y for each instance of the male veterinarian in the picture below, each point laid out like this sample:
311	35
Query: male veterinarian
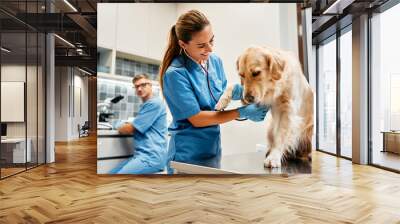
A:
149	132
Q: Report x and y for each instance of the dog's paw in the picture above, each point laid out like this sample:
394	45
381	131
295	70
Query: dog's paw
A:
225	99
273	161
222	103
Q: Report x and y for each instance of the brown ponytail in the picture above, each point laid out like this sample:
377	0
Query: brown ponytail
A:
172	51
189	23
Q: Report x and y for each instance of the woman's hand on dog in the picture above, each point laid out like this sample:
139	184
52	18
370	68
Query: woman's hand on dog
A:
253	112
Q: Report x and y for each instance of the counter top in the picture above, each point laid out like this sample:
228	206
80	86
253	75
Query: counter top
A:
244	163
111	144
391	132
111	133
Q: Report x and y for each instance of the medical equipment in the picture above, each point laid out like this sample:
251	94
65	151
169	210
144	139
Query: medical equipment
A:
104	112
208	81
209	88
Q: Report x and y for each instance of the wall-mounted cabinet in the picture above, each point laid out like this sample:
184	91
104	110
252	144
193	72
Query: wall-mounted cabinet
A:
130	21
106	28
128	29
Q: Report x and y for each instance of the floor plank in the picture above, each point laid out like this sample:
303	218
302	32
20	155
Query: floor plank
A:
70	191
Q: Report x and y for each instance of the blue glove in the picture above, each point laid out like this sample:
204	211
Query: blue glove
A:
253	112
116	124
237	92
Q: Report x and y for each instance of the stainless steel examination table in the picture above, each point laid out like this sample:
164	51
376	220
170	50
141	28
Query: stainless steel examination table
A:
113	148
245	163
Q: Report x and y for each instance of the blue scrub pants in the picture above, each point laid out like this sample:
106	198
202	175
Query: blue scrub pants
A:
135	165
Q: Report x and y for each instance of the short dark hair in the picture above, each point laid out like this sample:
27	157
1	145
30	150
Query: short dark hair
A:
140	76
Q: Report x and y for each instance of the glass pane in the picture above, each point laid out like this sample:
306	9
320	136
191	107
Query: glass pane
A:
346	94
31	98
385	85
327	97
41	98
13	86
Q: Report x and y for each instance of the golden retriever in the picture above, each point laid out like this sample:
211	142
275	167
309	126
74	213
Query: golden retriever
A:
274	77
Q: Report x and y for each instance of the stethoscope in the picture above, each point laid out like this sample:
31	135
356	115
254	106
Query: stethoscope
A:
208	81
205	71
209	87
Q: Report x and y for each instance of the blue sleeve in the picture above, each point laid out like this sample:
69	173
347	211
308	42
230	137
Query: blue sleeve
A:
146	116
180	96
223	78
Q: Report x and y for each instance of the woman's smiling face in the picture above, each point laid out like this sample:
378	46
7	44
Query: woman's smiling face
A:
200	47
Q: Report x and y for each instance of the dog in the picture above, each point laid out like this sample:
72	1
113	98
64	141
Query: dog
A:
274	77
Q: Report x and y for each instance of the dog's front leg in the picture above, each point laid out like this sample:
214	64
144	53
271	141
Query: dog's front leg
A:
279	135
225	99
273	159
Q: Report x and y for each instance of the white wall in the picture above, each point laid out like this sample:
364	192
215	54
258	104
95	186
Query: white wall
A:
288	27
79	117
68	85
61	103
16	73
237	26
142	29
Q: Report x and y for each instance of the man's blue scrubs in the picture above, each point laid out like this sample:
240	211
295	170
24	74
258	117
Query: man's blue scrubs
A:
150	140
187	92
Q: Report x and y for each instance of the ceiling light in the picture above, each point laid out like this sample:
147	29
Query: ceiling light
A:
86	72
70	5
79	51
338	6
64	40
5	50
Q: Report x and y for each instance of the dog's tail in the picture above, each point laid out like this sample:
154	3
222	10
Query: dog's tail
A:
304	149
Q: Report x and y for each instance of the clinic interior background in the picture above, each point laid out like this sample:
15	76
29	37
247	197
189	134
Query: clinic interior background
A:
132	39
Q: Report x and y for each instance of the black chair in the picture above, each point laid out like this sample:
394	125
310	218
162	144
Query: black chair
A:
84	130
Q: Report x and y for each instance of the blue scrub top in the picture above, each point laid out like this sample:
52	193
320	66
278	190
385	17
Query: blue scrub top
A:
150	135
187	93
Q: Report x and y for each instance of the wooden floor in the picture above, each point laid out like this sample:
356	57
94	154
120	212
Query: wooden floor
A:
70	191
387	159
10	171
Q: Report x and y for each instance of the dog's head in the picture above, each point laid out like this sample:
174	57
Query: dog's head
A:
259	69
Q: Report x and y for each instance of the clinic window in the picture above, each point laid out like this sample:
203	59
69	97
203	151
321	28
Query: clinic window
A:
385	89
345	50
326	133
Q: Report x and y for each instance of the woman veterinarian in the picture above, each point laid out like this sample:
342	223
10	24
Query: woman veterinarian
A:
192	81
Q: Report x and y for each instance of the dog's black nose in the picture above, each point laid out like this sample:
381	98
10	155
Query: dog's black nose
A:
249	98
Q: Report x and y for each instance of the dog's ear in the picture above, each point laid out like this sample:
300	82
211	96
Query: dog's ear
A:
237	69
237	63
275	65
